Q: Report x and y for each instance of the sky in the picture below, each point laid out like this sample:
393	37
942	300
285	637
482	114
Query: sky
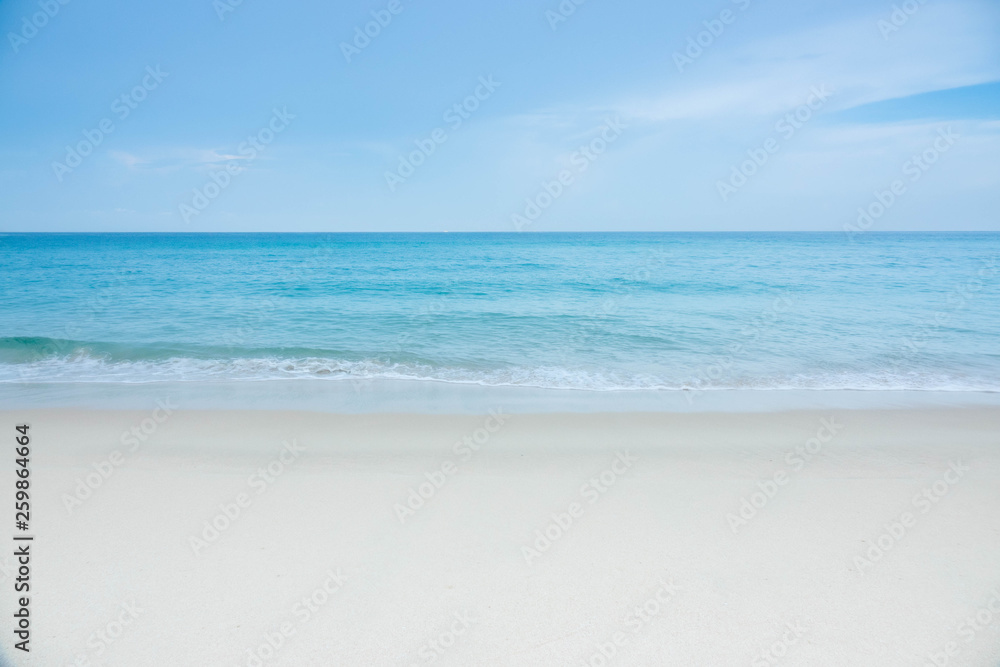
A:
522	115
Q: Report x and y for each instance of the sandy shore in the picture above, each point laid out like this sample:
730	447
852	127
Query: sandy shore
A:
799	538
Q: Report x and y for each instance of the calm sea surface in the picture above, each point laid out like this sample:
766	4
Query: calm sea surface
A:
625	311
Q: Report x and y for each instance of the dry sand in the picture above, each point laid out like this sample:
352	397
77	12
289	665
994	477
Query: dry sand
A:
651	568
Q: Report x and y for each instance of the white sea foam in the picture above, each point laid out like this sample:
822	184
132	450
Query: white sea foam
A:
86	368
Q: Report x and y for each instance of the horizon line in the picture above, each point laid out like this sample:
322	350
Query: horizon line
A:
522	233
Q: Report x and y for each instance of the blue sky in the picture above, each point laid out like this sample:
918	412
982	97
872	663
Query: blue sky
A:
604	116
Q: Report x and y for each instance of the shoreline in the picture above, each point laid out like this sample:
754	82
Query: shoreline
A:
412	396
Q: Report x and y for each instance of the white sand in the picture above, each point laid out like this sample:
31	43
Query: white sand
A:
661	524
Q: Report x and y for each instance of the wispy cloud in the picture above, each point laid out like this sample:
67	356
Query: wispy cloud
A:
947	48
162	159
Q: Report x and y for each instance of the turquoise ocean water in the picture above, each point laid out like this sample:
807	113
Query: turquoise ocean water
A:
597	312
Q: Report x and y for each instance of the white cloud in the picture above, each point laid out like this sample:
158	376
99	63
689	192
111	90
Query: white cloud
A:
944	45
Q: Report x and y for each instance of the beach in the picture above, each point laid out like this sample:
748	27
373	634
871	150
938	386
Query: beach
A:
229	537
572	449
504	334
498	449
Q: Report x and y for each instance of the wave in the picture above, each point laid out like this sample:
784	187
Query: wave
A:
45	360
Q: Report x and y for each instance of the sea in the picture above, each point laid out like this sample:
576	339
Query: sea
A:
392	319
